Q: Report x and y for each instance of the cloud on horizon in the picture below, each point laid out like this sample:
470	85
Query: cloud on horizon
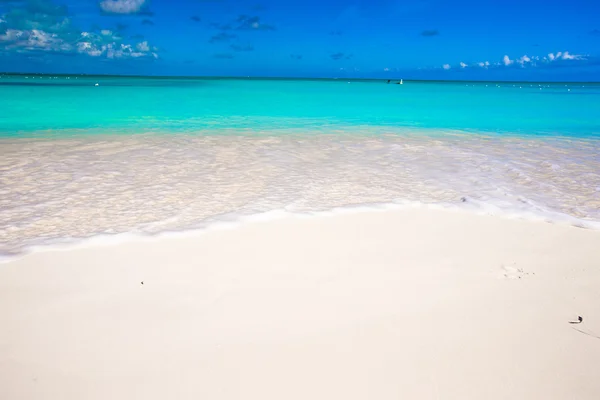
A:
551	59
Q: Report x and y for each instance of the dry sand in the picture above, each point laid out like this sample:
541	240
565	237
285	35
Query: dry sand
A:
412	304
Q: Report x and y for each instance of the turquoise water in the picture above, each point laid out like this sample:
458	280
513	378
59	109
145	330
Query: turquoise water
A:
148	156
59	105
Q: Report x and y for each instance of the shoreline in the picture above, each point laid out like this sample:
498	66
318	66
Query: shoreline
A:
233	221
412	302
151	184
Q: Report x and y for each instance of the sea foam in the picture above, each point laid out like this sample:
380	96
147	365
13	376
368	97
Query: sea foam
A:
63	190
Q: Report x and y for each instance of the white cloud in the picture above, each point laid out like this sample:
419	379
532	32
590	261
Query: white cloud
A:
34	40
567	56
121	6
89	49
95	45
11	35
114	50
143	46
524	60
563	56
42	27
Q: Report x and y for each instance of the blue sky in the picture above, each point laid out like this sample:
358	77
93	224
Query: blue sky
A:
415	39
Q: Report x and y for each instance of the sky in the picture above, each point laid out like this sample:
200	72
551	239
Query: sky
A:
543	40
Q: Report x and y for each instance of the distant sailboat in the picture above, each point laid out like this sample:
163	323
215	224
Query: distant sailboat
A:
401	82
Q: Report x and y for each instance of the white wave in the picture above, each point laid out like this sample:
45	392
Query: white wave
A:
60	191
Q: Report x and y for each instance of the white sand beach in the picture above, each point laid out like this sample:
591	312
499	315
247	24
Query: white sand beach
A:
408	304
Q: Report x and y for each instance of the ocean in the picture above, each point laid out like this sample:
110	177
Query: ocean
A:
82	157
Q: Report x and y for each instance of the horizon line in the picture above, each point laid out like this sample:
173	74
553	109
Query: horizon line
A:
239	77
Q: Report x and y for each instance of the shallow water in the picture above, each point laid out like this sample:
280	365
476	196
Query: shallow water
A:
160	155
54	189
63	105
